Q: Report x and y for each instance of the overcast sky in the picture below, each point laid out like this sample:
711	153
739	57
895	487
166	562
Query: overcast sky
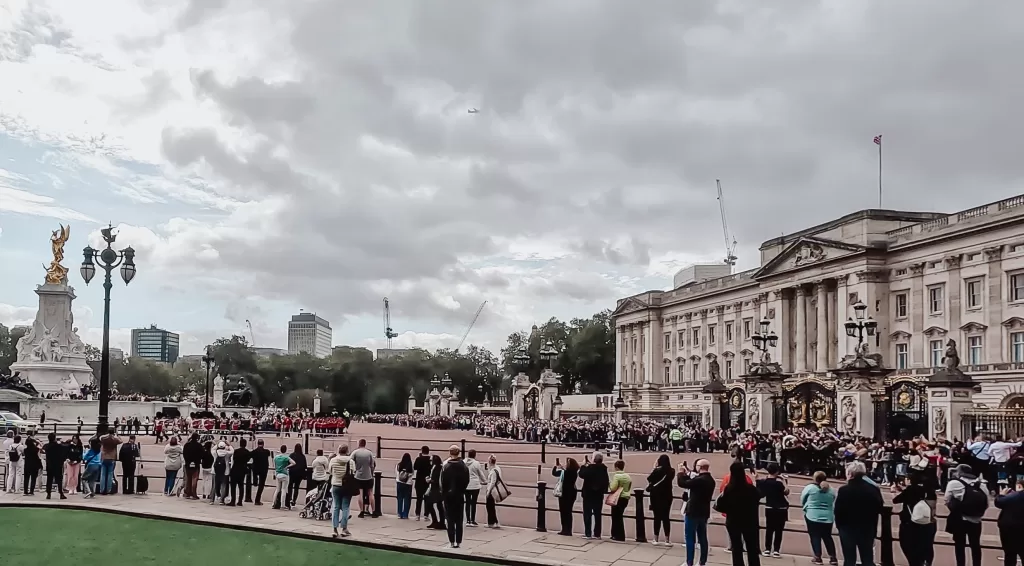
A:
266	156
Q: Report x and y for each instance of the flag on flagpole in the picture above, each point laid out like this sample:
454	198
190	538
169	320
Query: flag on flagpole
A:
878	142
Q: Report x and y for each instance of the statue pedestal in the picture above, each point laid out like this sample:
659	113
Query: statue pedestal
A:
51	356
217	398
950	393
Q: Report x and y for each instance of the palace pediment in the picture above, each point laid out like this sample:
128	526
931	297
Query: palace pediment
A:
805	252
629	305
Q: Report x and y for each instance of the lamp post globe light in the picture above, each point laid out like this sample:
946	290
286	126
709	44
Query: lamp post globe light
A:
208	362
548	353
763	338
860	325
109	259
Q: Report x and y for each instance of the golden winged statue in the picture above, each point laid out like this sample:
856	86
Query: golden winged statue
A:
57	274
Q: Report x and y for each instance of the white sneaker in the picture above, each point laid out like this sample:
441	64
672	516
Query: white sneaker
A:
776	555
766	553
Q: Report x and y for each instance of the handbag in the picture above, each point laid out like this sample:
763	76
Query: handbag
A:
500	491
349	485
558	484
613	498
921	513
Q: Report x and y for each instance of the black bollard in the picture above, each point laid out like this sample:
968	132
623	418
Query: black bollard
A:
638	510
462	446
306	443
542	507
378	447
543	451
376	494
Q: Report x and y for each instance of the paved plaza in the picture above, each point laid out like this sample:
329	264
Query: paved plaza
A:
521	467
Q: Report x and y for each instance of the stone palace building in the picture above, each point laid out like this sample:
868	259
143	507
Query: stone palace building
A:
925	277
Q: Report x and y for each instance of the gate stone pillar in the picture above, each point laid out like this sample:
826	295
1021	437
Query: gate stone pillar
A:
950	393
763	386
713	402
858	378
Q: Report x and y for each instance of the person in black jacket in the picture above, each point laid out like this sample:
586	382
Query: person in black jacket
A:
454	481
697	513
260	458
659	489
192	453
296	474
421	474
595	484
129	453
435	499
917	541
239	468
567	476
858	506
739	503
776	509
55	453
1011	523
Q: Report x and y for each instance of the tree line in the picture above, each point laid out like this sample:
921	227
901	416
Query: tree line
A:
351	379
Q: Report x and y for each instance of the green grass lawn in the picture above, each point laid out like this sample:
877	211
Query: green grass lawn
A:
67	536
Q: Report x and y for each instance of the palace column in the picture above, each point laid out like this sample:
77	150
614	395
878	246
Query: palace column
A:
622	374
801	330
821	327
839	322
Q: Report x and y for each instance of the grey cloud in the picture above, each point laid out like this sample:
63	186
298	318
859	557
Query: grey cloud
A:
597	119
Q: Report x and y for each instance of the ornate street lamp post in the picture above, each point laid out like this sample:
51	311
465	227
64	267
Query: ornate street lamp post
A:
548	353
861	326
208	362
764	338
108	259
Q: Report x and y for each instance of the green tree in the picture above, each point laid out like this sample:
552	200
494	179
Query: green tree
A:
143	377
9	347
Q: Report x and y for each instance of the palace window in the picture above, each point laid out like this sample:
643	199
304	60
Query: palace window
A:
711	335
1017	287
901	305
728	369
935	299
902	356
974	292
682	339
1017	347
696	337
728	332
696	371
747	325
936	353
668	342
974	350
668	374
682	373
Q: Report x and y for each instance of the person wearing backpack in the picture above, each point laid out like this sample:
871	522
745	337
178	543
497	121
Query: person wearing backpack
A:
12	451
917	520
967	502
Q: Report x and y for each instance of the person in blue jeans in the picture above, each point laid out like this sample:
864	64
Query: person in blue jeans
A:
91	463
404	477
818	501
108	453
699	489
341	494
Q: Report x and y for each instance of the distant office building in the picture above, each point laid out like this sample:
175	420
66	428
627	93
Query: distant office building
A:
309	333
386	353
269	352
116	354
155	344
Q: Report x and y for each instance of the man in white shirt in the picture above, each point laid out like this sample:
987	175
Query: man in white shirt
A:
1001	453
15	465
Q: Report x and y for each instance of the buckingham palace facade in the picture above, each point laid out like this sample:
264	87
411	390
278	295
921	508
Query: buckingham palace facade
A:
926	278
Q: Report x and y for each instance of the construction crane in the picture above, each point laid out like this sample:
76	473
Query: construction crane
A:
251	335
388	332
730	242
471	323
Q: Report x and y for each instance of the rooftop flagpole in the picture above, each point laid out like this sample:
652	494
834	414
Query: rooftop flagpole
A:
878	142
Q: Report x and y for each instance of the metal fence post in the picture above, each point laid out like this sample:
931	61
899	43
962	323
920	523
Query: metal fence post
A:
621	449
376	493
542	507
378	447
641	522
886	537
462	445
306	443
544	451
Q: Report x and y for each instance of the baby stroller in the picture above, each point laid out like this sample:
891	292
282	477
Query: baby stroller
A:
318	503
